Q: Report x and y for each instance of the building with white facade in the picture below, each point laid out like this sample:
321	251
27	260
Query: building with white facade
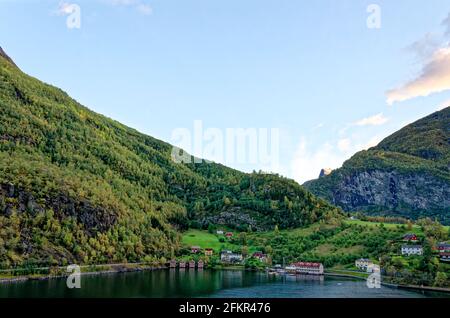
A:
412	250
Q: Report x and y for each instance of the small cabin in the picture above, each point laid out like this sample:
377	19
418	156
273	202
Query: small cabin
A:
195	249
229	234
209	251
410	237
200	264
182	264
260	256
173	263
191	264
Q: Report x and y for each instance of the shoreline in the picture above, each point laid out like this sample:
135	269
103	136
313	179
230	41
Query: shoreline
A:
392	285
20	279
24	278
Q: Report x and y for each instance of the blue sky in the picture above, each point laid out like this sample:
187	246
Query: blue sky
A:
313	70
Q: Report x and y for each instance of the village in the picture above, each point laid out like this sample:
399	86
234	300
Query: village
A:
201	257
410	247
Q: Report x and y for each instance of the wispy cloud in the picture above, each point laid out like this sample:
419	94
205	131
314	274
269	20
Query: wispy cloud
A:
425	46
64	8
434	76
446	24
140	5
375	120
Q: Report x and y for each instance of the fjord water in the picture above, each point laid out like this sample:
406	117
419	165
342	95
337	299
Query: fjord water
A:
204	283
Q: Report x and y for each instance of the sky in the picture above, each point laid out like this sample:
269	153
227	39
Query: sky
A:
326	78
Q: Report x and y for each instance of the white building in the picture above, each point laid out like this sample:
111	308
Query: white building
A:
412	250
306	268
363	263
219	232
230	257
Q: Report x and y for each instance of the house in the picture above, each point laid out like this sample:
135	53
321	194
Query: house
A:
195	249
412	250
363	263
182	264
306	268
229	234
443	248
411	237
192	264
200	264
209	251
444	257
173	263
230	257
219	232
260	256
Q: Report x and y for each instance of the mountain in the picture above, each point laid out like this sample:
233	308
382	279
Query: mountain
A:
6	57
76	186
407	174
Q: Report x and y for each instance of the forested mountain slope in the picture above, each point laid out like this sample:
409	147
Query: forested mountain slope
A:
76	186
407	174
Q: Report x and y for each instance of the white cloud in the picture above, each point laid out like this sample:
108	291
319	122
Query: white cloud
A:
425	46
139	5
307	163
64	8
434	78
375	120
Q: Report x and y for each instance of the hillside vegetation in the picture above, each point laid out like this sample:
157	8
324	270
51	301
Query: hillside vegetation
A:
407	174
77	187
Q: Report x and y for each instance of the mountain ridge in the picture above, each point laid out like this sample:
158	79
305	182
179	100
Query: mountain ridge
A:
407	174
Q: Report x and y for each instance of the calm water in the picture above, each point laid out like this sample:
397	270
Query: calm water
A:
206	283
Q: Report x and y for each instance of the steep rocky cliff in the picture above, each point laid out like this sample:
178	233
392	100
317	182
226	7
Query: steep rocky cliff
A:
407	174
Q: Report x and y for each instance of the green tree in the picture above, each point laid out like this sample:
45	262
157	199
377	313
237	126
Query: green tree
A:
440	280
243	238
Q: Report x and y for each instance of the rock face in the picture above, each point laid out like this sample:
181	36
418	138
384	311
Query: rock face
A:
325	172
393	192
407	174
19	200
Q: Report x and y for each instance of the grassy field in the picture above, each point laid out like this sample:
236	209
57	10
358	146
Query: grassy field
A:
415	229
204	239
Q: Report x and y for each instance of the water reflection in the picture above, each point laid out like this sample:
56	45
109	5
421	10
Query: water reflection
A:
202	283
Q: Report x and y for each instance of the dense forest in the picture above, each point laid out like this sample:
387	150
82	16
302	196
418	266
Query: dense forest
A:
76	186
